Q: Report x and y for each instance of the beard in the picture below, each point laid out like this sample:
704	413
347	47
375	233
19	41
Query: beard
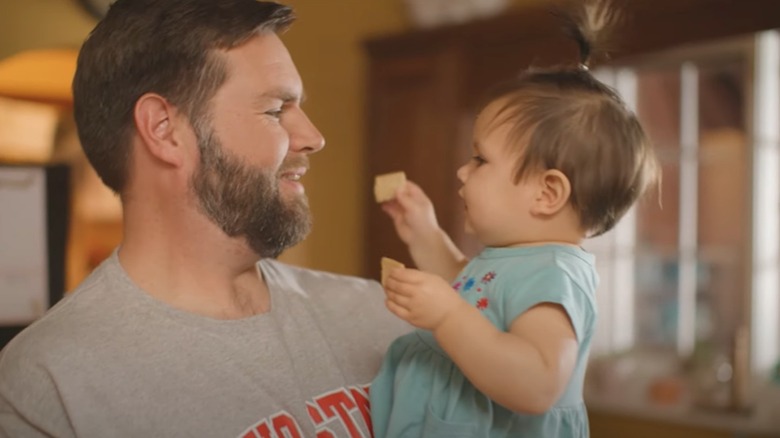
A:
245	201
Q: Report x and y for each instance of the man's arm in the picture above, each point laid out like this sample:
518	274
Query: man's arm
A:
30	405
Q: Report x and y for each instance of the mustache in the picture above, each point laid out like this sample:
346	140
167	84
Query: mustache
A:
292	163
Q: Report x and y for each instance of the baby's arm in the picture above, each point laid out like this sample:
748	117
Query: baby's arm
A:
524	370
415	222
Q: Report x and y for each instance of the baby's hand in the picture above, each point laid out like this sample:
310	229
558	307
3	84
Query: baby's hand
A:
421	299
412	213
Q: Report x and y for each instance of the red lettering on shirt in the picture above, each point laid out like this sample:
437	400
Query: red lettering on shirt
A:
314	414
332	407
338	404
283	425
360	396
325	433
260	429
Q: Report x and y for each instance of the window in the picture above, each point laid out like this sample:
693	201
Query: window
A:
689	272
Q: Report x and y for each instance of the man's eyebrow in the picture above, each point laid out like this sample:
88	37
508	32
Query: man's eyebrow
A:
284	95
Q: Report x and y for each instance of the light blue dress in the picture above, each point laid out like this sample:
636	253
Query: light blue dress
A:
420	392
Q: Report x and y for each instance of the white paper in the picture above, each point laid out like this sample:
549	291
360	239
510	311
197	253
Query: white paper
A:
24	278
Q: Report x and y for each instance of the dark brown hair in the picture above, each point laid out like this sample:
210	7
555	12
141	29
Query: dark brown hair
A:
563	118
168	47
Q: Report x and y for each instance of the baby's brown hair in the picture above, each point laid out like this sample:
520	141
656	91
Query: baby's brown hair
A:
565	119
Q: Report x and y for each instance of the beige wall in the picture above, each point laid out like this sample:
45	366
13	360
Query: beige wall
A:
326	43
28	24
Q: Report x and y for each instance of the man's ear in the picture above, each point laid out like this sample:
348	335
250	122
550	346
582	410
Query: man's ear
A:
157	123
554	192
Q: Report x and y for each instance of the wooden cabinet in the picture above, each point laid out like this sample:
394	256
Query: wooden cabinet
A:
424	87
412	129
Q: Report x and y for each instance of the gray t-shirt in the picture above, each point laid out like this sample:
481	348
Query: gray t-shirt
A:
110	360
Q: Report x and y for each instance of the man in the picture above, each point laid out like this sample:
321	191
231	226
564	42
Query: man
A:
190	111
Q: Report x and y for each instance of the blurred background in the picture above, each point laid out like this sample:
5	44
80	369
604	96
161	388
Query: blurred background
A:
689	332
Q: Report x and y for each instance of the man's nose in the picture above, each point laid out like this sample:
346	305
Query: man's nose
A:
304	136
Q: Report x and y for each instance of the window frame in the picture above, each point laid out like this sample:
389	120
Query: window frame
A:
618	314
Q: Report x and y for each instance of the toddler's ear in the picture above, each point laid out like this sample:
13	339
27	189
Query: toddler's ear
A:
554	192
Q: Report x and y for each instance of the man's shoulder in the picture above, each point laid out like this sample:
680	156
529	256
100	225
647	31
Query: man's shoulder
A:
52	334
34	346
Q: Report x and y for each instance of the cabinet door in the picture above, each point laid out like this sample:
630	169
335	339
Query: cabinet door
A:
414	126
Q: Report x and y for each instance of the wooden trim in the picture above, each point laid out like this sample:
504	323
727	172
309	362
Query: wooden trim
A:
650	25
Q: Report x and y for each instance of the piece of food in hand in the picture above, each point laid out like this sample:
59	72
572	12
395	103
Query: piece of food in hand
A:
387	184
388	265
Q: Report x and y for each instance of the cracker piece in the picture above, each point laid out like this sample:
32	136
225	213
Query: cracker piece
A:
389	264
387	184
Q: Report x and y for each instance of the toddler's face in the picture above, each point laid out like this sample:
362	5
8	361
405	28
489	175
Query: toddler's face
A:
497	209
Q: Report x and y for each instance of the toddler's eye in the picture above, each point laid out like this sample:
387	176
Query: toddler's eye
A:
478	160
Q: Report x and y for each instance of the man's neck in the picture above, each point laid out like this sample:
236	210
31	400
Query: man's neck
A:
196	269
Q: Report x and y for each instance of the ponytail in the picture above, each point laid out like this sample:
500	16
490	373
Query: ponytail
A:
590	24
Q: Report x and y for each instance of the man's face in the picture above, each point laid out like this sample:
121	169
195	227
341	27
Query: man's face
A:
244	200
254	144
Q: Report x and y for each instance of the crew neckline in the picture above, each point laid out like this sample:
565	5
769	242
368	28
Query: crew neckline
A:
514	251
175	313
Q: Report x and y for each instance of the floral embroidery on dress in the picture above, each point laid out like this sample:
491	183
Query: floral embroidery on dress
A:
487	278
459	284
469	284
482	303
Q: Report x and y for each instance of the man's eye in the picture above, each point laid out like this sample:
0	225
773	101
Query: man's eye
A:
275	113
478	160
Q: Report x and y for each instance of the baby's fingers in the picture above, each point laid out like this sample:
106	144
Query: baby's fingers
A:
409	277
397	310
392	208
415	192
399	299
394	285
